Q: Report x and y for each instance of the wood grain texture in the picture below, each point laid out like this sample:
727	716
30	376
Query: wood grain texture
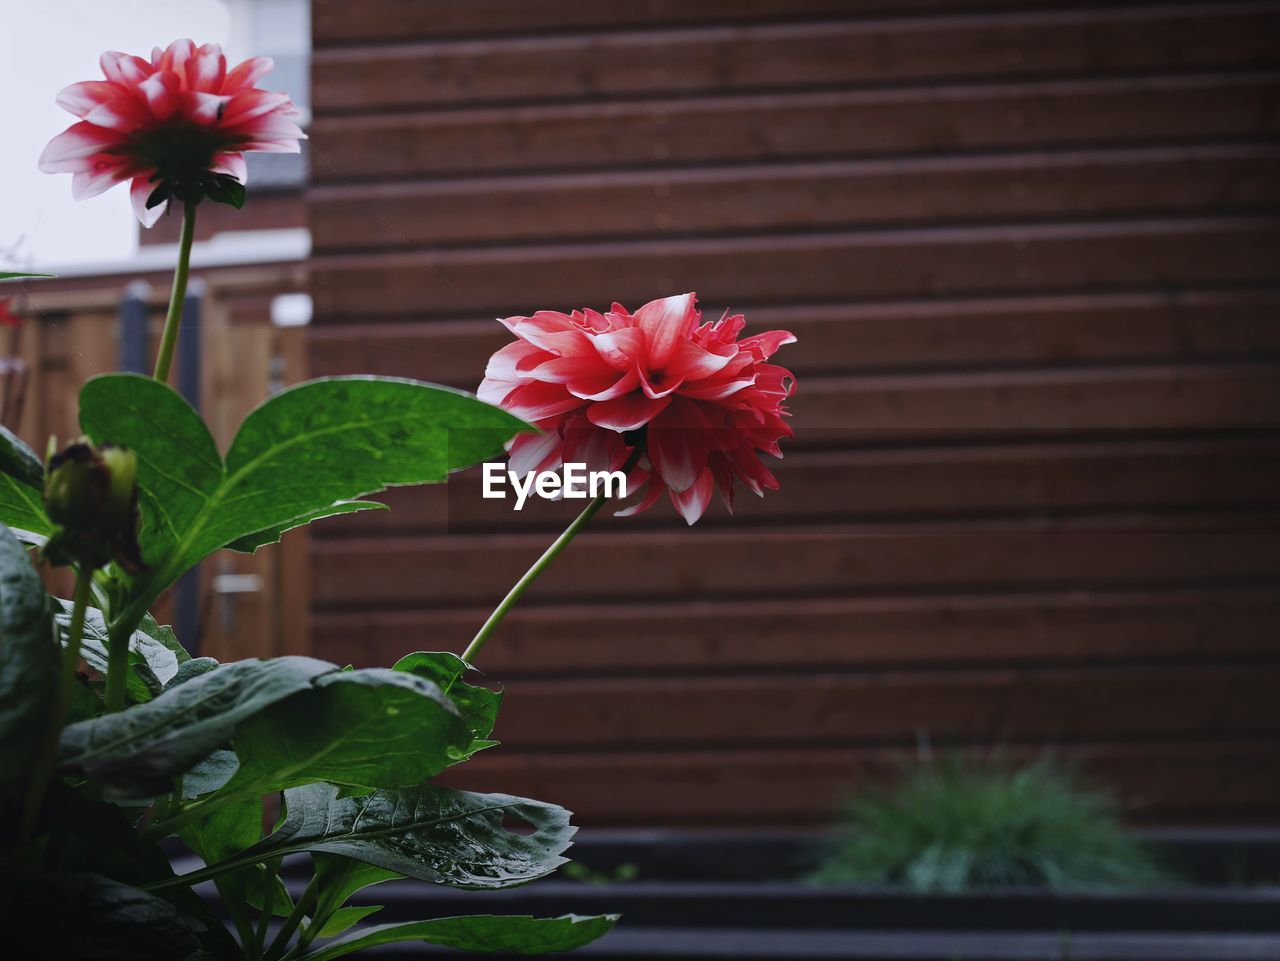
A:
909	263
1032	330
688	638
972	706
723	58
797	196
1198	781
615	566
793	126
1029	251
1046	479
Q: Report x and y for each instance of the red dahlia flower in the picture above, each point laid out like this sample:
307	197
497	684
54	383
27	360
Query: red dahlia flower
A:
701	402
176	126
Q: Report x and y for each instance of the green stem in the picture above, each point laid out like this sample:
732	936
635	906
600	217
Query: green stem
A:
240	918
173	319
117	667
531	575
66	684
268	903
305	900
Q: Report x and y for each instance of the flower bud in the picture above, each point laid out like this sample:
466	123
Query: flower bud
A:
91	496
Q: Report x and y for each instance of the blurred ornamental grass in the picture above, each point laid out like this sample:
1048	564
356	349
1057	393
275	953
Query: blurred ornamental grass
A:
956	825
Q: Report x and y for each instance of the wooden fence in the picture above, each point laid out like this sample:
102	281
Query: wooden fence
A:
1032	254
72	331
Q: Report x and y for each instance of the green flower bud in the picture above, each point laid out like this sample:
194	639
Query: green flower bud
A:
91	496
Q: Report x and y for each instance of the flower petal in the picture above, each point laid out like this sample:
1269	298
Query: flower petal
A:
665	323
627	412
123	68
231	164
534	401
139	192
247	74
621	349
692	502
534	452
75	148
81	98
163	92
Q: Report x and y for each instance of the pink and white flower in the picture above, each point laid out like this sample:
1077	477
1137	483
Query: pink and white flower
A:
172	126
702	403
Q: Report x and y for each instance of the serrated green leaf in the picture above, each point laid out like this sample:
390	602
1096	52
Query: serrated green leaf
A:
298	456
251	542
137	752
477	705
28	661
191	669
431	833
152	663
484	932
361	729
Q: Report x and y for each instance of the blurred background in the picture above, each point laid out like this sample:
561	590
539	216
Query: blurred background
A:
1031	252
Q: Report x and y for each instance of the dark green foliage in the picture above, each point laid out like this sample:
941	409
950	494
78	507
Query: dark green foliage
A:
955	825
28	661
200	745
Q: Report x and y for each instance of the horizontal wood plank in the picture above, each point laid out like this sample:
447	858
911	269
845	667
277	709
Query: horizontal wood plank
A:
723	58
956	705
796	197
700	637
793	126
341	23
867	265
1188	781
994	406
1043	480
467	571
1032	330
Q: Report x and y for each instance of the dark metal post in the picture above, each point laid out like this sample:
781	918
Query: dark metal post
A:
135	351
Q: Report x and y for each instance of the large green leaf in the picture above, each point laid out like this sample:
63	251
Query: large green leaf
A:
152	662
251	542
19	461
88	916
478	705
303	454
483	932
28	661
361	729
22	488
137	752
426	832
337	879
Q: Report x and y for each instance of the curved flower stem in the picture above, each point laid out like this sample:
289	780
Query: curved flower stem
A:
173	319
117	667
531	575
62	702
300	909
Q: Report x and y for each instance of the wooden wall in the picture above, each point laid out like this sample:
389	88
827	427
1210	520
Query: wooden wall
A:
1032	253
71	332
